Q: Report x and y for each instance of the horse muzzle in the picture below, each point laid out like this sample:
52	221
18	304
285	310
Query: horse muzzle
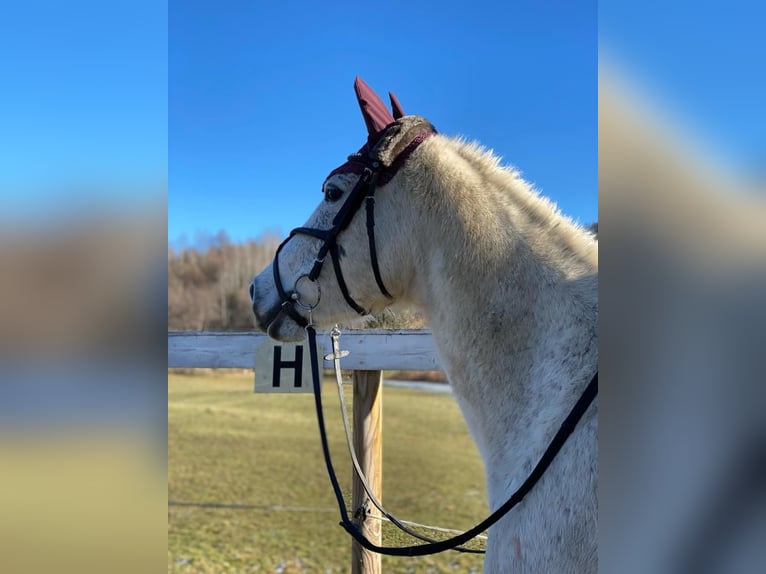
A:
270	314
264	311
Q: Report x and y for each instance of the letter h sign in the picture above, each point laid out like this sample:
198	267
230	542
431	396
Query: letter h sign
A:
282	368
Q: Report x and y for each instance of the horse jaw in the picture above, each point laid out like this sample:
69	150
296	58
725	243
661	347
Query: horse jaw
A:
278	325
284	329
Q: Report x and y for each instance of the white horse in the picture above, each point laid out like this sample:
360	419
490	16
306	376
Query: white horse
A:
509	286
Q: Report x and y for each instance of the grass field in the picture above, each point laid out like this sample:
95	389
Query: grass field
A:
258	458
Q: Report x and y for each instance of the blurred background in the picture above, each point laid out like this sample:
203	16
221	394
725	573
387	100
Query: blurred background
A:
83	227
682	228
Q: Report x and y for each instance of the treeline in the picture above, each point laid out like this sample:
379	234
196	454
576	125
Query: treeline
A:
207	287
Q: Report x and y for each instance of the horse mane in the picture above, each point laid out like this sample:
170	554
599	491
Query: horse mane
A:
467	174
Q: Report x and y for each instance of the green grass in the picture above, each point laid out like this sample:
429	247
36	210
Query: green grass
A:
227	445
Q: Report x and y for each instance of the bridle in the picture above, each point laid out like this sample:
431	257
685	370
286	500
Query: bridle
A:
374	172
364	190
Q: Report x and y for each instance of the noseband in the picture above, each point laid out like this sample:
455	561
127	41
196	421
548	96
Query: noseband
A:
373	172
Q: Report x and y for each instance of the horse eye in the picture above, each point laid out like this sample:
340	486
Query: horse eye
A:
333	194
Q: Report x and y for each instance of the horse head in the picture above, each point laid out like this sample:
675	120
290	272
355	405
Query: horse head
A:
351	257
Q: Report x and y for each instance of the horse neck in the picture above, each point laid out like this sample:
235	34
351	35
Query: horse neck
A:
510	289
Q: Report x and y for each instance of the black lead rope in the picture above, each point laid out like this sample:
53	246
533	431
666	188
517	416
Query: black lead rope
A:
566	429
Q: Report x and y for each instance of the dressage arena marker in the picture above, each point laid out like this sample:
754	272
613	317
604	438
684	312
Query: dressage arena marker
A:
283	367
277	368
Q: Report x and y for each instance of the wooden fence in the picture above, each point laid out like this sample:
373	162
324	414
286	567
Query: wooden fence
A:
371	352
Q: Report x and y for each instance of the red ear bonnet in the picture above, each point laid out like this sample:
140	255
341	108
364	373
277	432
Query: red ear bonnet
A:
377	118
374	111
396	106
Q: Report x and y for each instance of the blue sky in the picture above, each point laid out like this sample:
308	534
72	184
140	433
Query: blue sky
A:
83	102
261	105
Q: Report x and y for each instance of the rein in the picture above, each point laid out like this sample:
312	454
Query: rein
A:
454	543
336	356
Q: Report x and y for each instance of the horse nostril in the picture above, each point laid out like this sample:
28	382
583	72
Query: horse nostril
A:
252	292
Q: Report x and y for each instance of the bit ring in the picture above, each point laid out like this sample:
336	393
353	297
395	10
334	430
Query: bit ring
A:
295	296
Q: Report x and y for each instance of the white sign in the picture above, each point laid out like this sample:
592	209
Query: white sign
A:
284	367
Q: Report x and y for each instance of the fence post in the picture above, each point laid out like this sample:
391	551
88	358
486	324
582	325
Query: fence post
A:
368	445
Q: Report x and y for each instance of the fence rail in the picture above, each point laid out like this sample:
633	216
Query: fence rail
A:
371	351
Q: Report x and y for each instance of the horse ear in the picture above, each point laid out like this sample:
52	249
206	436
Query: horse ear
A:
396	106
374	111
